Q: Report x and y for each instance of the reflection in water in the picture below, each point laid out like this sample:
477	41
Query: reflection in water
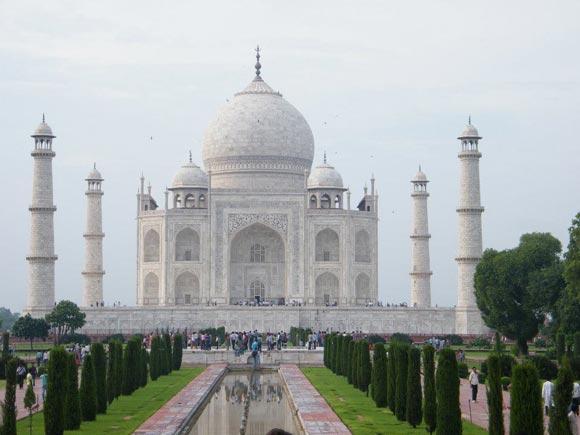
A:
269	407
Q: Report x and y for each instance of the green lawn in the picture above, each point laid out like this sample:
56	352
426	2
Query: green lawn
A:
359	412
127	413
2	384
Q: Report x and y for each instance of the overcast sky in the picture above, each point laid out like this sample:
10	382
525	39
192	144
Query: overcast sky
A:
385	86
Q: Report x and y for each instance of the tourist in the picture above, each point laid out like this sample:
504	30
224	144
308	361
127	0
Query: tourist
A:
45	357
217	343
573	419
44	384
20	375
29	380
33	372
255	354
548	396
474	382
576	394
39	358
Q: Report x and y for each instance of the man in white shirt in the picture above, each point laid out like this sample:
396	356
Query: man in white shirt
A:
548	396
576	394
474	382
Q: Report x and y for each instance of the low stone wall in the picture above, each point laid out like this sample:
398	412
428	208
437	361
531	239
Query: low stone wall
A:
274	358
413	321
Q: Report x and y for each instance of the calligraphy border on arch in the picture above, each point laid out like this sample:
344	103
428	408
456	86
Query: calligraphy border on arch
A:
237	221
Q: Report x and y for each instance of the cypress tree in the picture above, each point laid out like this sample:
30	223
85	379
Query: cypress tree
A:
339	350
29	402
131	357
88	391
168	356
5	354
56	392
365	367
380	375
154	369
559	424
344	355
414	394
355	364
560	345
100	363
9	406
351	351
392	376
430	399
177	351
331	351
72	404
526	415
143	371
325	352
118	368
111	373
494	396
401	384
447	386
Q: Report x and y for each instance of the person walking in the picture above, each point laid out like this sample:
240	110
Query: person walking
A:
474	382
33	373
44	384
573	419
576	394
20	375
548	396
255	354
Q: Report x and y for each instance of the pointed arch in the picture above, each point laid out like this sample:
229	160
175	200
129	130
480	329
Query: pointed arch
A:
362	247
186	289
327	246
151	289
187	247
151	246
362	287
327	289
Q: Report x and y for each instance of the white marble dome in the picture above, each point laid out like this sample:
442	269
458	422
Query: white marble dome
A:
43	129
469	132
190	176
258	130
94	174
420	177
325	177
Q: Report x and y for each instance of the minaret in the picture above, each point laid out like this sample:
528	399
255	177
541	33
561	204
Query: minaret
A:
41	257
420	261
93	273
469	212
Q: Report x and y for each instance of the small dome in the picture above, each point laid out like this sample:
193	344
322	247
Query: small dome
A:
469	132
326	177
43	129
190	176
95	174
420	177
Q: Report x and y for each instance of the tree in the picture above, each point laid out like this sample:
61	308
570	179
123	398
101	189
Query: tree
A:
516	288
7	318
494	396
559	424
29	328
72	404
177	351
111	373
65	318
356	364
447	386
5	354
9	406
131	356
88	391
154	359
380	375
100	363
344	362
560	345
364	370
401	384
430	400
414	394
577	344
351	352
168	356
392	376
143	372
29	402
526	416
56	392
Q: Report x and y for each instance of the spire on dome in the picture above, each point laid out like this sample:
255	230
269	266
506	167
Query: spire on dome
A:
325	157
258	65
43	118
190	158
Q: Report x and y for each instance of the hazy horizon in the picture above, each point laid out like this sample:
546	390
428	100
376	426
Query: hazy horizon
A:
384	87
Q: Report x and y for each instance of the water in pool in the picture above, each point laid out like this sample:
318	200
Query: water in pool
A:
261	391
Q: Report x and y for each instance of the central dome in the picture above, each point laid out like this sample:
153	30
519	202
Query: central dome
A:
257	133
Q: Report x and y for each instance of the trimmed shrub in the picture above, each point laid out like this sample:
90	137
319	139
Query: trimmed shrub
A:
81	339
337	355
463	370
168	356
351	365
355	364
364	370
495	396
9	406
88	391
526	415
100	363
447	386
577	345
481	342
453	339
559	424
560	346
547	369
119	369
114	337
131	358
345	364
112	380
414	394
154	359
177	351
399	337
430	400
506	362
144	375
5	354
380	375
376	339
56	392
401	384
72	404
392	376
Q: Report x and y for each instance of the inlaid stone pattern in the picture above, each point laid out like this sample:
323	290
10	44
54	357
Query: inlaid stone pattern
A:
237	221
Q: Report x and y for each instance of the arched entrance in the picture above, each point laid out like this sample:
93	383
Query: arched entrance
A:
257	265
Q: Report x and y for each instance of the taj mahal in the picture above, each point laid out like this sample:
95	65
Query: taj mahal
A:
262	237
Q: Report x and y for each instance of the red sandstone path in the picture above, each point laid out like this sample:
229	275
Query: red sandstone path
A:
22	412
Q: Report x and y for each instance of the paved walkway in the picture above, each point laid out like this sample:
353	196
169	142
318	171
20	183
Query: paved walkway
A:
314	413
176	411
21	410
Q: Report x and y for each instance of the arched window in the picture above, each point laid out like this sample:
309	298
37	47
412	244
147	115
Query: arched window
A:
362	247
257	253
327	287
187	245
151	246
313	202
202	201
186	289
325	201
177	201
257	289
362	287
327	246
338	202
151	289
189	201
